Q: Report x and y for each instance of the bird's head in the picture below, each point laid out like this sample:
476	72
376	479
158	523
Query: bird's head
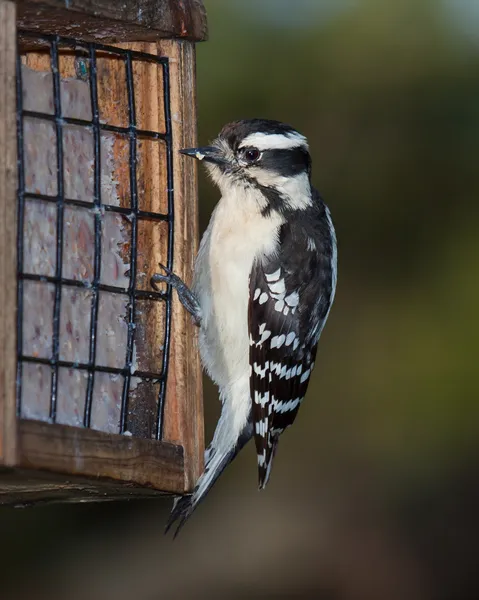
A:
261	154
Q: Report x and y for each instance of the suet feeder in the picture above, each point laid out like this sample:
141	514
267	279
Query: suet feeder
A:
100	382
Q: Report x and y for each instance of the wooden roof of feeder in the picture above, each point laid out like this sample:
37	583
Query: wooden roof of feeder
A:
112	21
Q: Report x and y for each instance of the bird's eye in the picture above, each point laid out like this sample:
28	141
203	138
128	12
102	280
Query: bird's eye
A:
251	155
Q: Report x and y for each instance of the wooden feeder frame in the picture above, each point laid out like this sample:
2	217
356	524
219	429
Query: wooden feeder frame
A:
45	461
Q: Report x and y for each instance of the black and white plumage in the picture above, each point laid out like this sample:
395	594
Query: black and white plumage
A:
290	296
264	282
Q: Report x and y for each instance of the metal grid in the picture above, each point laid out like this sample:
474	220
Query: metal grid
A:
133	212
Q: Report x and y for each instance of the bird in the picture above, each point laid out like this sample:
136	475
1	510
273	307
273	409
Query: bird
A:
263	284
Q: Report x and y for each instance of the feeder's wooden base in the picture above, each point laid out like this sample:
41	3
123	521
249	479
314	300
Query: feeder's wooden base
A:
20	488
60	463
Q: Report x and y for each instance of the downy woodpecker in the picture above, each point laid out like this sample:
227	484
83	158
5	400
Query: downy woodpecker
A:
264	281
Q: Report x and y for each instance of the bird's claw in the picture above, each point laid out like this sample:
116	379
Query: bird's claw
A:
159	278
185	295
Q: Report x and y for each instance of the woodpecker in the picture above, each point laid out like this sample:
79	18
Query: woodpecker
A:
264	282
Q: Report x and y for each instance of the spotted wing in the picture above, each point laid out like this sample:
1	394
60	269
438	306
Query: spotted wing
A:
290	296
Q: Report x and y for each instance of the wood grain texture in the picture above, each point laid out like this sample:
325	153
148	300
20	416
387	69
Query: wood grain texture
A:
8	278
113	21
23	487
152	238
184	400
90	453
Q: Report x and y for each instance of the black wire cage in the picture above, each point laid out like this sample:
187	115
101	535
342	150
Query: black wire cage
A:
101	385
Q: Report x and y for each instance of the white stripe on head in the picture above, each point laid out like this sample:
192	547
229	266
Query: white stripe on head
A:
275	141
295	191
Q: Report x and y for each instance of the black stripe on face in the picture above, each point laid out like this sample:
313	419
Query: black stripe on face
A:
287	163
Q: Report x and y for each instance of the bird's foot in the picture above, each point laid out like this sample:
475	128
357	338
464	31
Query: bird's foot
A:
185	295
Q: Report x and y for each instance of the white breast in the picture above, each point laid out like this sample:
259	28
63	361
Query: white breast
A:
237	234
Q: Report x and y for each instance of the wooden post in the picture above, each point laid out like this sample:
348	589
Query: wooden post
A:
184	398
8	267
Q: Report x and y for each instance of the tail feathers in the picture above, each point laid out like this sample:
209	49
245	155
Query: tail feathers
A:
265	461
184	506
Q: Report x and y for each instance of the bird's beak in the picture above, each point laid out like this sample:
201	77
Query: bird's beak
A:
207	153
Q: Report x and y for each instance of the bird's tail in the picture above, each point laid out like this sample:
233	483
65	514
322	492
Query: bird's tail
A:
265	461
215	464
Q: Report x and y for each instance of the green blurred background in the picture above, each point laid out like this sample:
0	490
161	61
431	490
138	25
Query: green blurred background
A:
375	490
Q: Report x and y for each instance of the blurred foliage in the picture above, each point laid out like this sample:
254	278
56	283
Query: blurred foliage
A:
374	491
388	99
